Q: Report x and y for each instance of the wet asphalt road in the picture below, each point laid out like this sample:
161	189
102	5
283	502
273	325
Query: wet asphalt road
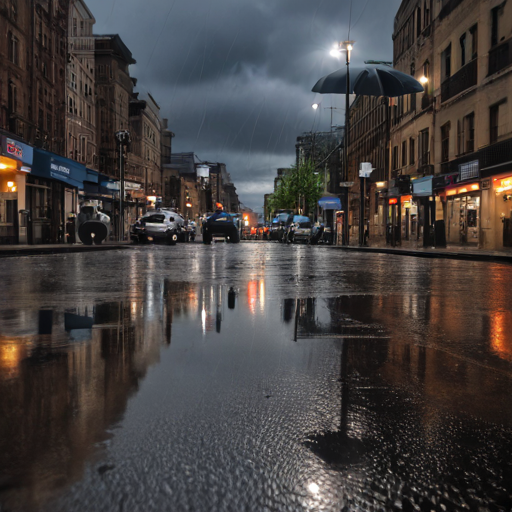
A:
254	377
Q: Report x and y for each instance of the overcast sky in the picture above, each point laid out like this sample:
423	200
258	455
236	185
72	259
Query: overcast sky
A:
234	77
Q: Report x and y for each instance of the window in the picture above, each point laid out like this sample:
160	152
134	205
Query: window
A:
49	123
469	132
445	142
426	13
411	151
462	42
446	60
12	99
404	153
494	112
418	22
14	10
14	49
70	105
474	41
494	25
423	148
395	158
74	32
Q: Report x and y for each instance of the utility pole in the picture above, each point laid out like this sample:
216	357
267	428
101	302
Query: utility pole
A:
123	139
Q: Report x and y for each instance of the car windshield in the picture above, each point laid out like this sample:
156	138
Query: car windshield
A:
156	218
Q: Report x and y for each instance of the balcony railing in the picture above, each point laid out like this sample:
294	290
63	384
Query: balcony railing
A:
426	101
500	57
465	78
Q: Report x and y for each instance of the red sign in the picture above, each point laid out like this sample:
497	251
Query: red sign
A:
14	149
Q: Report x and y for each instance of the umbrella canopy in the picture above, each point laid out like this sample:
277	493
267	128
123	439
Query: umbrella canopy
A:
371	80
329	203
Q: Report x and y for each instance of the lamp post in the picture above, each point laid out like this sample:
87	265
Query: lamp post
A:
345	46
317	105
123	139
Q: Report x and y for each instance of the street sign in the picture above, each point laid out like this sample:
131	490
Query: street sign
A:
365	169
347	184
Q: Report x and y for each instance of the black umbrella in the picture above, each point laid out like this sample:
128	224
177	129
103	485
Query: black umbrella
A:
370	80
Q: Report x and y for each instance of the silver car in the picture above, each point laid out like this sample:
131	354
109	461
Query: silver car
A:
162	226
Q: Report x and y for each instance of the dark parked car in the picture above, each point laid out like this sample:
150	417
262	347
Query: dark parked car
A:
162	226
220	224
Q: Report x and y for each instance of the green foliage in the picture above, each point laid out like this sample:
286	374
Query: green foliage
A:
299	189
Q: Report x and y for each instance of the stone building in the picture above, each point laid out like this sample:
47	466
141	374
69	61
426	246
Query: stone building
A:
32	75
15	72
412	124
114	88
452	146
81	140
143	165
369	142
473	142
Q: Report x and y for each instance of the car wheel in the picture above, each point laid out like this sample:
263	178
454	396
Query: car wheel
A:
172	239
207	238
234	236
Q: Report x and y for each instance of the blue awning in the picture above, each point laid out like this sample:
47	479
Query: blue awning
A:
329	203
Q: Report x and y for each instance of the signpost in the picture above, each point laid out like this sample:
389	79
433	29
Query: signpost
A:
365	170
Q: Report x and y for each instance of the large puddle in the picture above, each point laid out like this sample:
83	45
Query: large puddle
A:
243	392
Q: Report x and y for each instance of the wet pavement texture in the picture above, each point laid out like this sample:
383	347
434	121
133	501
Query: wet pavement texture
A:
254	377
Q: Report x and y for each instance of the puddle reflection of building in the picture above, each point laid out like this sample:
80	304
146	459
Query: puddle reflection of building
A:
61	390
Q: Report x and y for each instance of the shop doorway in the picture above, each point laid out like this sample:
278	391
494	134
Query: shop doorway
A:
464	220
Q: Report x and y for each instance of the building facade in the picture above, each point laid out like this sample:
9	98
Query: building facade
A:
114	88
451	147
81	138
369	142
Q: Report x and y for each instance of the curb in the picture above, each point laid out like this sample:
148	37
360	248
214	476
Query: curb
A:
6	253
500	258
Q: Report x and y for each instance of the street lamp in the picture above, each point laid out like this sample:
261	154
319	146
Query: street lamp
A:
123	139
345	46
316	106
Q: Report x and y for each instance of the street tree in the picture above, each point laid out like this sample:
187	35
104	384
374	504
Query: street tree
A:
299	189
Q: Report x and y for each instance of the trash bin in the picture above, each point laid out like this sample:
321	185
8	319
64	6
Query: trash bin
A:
439	234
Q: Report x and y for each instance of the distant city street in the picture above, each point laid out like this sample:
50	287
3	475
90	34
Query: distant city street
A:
254	376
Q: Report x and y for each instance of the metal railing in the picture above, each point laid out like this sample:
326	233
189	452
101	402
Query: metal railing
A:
500	57
465	78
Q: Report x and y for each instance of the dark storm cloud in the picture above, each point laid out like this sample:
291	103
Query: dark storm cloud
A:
234	78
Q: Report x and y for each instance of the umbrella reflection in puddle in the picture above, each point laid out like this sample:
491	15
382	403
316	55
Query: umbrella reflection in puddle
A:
336	447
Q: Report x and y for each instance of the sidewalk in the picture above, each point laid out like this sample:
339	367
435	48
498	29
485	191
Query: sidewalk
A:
409	248
31	250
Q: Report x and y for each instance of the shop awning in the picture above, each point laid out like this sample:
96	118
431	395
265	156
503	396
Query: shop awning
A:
329	203
422	187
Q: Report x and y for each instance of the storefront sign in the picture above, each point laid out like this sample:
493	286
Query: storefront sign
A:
49	165
393	200
422	187
17	150
60	168
503	185
466	189
469	170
